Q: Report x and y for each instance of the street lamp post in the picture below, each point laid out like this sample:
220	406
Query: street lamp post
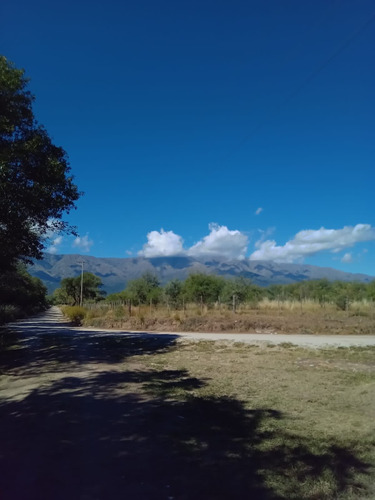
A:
81	299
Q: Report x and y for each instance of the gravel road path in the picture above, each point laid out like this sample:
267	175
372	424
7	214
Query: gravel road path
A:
53	319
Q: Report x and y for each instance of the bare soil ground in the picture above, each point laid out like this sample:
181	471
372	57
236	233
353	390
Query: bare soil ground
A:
89	415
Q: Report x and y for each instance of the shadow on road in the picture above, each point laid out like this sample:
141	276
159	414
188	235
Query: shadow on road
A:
34	350
125	432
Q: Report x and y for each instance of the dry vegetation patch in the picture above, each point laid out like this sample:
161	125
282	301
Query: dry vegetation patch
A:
267	317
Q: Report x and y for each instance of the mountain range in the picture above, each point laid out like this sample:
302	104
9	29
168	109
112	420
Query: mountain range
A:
116	272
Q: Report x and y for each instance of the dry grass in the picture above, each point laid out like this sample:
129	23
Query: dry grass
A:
89	416
320	401
267	317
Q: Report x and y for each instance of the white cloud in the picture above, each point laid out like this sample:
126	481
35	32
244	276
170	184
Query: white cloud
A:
221	241
83	243
309	242
264	234
258	210
162	243
47	231
347	258
55	244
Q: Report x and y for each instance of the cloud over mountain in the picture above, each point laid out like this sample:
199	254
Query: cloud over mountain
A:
309	242
233	244
55	245
83	243
162	244
220	241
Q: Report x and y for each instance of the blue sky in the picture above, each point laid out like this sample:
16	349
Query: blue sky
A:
182	119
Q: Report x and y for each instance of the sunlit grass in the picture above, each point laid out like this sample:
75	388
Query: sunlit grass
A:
267	316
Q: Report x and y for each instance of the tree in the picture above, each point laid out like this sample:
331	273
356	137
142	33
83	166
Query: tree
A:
370	291
20	294
71	289
242	289
144	289
203	288
173	293
36	186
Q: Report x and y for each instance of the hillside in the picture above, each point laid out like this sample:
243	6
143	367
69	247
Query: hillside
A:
116	272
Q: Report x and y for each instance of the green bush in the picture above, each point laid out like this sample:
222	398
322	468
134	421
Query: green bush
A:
9	313
76	314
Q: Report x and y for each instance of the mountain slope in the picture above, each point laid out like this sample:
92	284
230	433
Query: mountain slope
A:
115	272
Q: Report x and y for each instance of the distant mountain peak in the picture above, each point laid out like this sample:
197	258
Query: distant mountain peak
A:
116	272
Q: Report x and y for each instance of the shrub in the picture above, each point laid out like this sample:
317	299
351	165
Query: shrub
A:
76	314
342	302
9	313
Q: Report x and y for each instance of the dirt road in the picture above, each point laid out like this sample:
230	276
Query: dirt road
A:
89	414
54	319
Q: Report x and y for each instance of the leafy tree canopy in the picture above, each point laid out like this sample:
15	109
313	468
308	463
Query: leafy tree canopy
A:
173	293
242	289
36	186
70	289
203	287
144	289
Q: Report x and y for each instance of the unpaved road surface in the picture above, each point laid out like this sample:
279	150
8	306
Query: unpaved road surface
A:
84	417
53	320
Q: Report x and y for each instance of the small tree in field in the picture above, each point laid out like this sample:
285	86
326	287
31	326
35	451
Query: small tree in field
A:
144	289
71	289
203	288
173	293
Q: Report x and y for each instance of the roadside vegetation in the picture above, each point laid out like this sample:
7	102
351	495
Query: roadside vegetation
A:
75	314
72	290
36	188
215	304
20	294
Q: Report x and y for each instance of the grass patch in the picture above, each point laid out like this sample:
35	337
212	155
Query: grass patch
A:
316	433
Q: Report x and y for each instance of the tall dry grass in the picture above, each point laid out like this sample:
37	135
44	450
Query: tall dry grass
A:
288	316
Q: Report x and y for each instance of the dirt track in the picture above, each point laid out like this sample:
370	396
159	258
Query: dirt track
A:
54	319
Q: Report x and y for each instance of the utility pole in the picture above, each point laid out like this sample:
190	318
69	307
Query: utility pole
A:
81	300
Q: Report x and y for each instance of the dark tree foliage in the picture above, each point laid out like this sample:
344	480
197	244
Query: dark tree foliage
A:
36	186
20	294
